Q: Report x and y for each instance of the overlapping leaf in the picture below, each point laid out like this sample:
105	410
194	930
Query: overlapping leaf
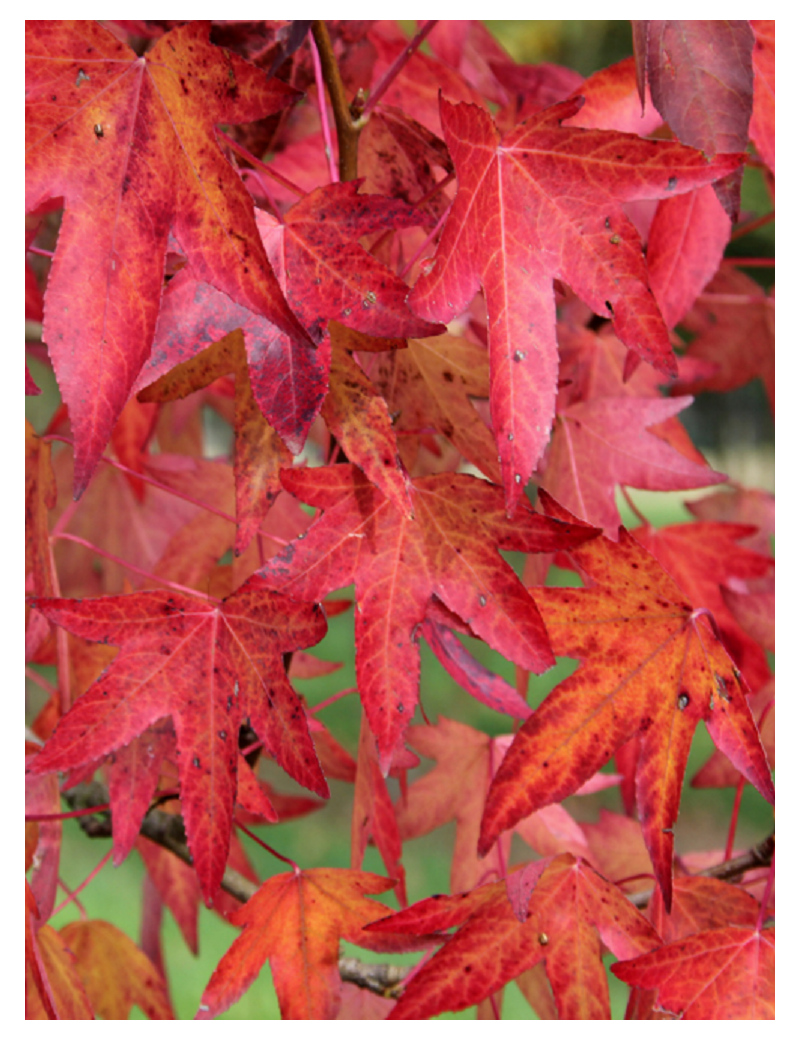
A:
651	666
296	920
129	143
568	905
208	666
727	973
523	216
115	972
398	563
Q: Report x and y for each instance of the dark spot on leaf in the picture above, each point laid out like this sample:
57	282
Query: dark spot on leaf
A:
447	376
196	762
98	129
222	735
683	700
672	183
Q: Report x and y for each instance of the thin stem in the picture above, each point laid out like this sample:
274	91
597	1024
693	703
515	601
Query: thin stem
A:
752	225
731	299
323	111
41	252
259	165
332	699
346	130
165	487
396	66
78	903
136	570
633	507
737	801
749	261
40	681
84	883
269	848
51	817
425	244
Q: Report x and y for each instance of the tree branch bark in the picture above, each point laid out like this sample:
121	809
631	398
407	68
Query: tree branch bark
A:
347	130
166	829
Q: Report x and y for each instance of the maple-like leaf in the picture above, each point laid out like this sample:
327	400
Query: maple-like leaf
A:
259	453
208	666
327	275
115	972
726	973
129	143
651	666
700	76
448	550
733	326
53	987
605	442
431	383
704	557
685	245
567	903
296	920
523	216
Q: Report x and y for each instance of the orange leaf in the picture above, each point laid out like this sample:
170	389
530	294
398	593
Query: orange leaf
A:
115	972
296	920
651	666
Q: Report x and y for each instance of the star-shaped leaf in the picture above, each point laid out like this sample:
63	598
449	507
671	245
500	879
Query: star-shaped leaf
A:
726	973
522	216
129	142
652	666
398	563
566	905
296	920
208	666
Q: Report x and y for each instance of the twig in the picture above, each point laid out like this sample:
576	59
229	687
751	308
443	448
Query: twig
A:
386	980
347	130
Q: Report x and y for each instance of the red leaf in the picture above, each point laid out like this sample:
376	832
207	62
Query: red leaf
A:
762	122
521	218
651	666
569	905
605	442
115	133
328	275
208	667
728	973
398	564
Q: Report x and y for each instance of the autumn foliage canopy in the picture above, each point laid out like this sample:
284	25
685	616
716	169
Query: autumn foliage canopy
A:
440	309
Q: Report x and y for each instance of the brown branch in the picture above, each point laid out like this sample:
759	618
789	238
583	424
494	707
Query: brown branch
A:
347	130
167	830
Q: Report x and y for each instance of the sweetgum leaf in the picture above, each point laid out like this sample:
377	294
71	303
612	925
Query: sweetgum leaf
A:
522	216
129	143
208	666
569	905
296	920
115	972
652	666
726	973
449	549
